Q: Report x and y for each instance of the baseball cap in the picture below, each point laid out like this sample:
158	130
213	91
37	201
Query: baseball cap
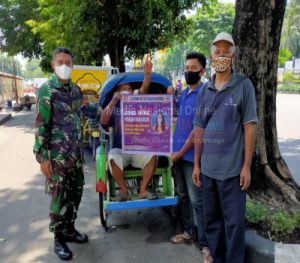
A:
225	37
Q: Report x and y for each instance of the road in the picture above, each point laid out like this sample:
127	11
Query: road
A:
288	126
24	235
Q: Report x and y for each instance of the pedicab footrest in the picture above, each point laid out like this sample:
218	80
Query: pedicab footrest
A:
141	203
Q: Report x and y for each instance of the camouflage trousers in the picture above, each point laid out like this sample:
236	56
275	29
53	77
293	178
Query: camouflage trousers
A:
65	187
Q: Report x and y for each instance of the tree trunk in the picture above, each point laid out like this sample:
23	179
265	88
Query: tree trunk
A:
257	30
116	55
115	45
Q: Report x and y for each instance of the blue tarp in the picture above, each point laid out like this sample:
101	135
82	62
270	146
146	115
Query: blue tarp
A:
159	84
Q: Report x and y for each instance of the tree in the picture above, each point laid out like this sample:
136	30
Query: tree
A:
257	30
202	28
6	65
33	70
291	28
136	27
173	59
208	22
15	35
121	28
283	56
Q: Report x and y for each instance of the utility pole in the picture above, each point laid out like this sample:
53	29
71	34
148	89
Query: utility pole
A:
15	80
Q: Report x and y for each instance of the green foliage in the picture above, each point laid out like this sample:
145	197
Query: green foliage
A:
290	38
289	87
297	218
202	28
255	212
208	22
33	70
289	77
74	24
16	36
279	223
282	223
91	29
173	60
6	65
283	56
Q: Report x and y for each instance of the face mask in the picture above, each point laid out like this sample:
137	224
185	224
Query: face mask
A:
221	64
63	71
125	92
191	77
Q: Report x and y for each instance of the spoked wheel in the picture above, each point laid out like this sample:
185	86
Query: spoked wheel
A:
103	213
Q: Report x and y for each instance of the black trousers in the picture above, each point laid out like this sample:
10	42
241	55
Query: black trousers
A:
224	218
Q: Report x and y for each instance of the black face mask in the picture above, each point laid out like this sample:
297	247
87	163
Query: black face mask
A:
191	77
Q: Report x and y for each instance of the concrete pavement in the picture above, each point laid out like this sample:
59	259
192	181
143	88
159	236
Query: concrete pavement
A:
24	235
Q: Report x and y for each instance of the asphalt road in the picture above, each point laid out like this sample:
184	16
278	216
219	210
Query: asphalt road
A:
288	126
24	235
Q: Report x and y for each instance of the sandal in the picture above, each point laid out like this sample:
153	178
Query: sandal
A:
206	255
120	198
149	196
181	238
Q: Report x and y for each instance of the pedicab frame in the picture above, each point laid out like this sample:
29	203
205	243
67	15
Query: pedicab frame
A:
105	184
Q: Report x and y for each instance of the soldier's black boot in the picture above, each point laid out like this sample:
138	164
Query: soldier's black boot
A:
70	234
60	247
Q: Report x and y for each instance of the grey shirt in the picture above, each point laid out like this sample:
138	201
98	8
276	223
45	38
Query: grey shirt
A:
222	115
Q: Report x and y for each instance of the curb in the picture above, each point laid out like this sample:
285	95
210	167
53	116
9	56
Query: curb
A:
4	118
261	250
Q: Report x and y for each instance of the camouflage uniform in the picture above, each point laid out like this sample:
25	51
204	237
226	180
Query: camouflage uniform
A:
57	138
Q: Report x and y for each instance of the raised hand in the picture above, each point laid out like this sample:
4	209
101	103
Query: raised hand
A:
147	64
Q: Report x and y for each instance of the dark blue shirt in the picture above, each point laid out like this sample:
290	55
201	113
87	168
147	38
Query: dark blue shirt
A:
223	114
186	107
115	122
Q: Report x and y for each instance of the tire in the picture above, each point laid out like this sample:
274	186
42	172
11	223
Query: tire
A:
103	213
94	148
91	141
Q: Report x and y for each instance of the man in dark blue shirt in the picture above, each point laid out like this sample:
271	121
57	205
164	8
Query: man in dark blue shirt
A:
224	137
183	156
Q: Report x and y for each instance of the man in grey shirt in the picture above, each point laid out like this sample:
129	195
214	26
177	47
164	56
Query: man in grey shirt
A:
224	138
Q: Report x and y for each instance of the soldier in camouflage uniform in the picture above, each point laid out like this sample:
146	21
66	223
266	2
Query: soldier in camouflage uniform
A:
57	149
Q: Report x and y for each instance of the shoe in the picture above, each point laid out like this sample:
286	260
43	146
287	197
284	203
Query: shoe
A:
61	249
73	236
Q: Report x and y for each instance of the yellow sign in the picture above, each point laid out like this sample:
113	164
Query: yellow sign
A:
90	79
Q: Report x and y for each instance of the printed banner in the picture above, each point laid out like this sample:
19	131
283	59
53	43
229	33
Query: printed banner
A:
147	124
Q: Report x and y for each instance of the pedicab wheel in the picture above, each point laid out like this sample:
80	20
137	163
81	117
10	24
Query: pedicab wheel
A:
103	214
94	148
90	141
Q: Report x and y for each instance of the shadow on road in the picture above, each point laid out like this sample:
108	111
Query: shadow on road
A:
24	120
290	150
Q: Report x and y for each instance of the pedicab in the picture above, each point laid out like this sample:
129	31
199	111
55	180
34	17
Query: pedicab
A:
90	80
162	181
90	121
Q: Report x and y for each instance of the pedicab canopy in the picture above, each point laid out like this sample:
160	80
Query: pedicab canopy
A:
158	85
